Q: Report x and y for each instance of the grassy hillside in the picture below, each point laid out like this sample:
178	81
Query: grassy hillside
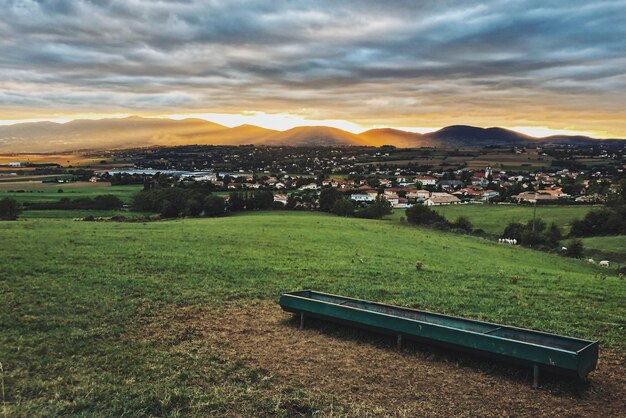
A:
494	218
75	295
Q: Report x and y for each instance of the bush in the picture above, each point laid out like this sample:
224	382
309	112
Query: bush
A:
423	215
9	209
574	248
278	205
107	202
375	210
463	223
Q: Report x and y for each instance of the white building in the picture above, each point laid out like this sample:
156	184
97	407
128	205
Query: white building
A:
362	197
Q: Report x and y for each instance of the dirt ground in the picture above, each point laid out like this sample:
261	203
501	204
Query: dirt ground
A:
365	370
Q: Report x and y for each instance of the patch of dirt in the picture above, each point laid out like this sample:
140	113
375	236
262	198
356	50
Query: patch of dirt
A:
365	370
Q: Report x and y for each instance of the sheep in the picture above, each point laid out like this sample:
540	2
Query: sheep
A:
514	241
604	263
563	248
591	260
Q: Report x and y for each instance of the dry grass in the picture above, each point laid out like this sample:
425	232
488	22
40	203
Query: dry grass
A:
364	374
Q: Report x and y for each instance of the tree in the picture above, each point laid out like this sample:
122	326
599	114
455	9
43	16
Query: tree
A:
9	209
236	203
376	210
214	206
574	248
554	234
343	207
328	197
193	207
513	231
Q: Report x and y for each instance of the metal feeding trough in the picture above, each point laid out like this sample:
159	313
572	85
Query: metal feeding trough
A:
565	355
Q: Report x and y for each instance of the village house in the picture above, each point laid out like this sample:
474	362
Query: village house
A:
282	198
441	199
392	198
426	180
532	197
448	185
310	186
418	194
362	197
489	194
403	203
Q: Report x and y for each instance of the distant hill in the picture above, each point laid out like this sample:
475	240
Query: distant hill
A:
396	137
463	135
142	132
313	136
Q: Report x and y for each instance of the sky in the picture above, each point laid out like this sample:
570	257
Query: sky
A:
540	67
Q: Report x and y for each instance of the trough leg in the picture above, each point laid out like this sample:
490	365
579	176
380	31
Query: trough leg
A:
535	376
301	320
399	343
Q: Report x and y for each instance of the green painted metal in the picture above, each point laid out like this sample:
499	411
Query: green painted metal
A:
548	351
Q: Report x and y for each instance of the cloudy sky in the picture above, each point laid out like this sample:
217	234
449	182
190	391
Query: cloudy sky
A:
540	66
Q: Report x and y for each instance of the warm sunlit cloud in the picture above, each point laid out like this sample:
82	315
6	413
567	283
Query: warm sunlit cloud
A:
546	69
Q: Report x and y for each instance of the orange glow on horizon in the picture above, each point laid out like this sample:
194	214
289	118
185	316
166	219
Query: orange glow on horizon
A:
285	121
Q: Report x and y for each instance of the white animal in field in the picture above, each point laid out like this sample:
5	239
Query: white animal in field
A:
500	240
591	260
563	248
514	241
604	263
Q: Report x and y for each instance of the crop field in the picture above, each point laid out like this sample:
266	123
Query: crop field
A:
180	318
65	160
494	218
529	161
49	192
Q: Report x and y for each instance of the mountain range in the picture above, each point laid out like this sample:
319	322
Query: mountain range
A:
131	132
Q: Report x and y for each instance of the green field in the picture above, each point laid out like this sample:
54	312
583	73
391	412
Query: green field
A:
606	248
75	295
494	218
79	213
39	192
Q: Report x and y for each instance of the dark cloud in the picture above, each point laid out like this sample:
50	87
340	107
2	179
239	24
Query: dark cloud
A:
328	55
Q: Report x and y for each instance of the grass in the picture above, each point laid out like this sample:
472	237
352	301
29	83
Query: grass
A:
494	218
606	248
39	192
74	295
79	213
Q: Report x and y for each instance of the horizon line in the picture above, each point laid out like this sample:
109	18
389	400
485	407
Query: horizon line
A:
228	121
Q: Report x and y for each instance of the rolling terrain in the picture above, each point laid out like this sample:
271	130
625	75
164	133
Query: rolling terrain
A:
180	318
142	132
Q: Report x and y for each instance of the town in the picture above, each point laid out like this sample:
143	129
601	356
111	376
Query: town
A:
565	175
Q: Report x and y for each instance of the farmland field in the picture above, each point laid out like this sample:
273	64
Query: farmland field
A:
494	218
49	192
159	318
